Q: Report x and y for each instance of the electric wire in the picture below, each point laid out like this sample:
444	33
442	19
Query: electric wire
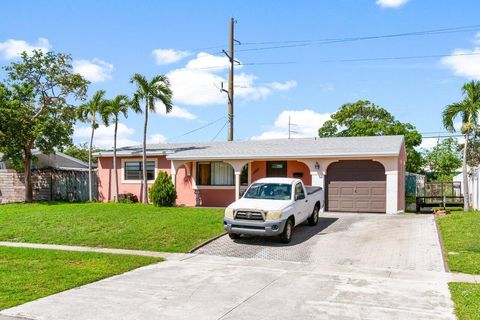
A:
199	128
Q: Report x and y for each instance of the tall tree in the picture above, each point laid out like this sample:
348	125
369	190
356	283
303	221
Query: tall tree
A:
39	114
364	118
113	109
88	113
444	159
81	151
468	110
157	89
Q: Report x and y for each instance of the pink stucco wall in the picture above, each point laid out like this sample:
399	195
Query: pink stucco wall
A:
401	178
259	170
216	197
106	177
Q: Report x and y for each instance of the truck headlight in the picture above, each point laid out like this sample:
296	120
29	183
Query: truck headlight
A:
229	213
274	215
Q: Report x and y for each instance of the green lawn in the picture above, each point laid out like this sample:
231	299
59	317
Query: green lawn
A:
466	297
461	237
110	225
29	274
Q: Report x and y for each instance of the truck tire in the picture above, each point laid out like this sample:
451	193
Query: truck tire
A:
286	235
234	236
313	219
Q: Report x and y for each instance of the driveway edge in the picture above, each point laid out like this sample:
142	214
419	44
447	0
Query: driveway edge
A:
207	242
442	246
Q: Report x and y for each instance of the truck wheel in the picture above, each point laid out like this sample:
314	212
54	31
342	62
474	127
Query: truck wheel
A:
286	235
234	236
313	219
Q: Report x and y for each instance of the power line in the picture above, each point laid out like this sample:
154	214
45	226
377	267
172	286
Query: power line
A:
302	43
402	57
219	131
199	128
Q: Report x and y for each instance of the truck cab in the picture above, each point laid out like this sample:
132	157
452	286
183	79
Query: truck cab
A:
273	207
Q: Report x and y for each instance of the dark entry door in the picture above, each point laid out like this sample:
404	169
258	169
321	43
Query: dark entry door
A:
277	169
356	186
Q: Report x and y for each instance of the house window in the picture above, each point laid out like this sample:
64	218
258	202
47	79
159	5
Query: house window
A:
133	170
215	174
277	169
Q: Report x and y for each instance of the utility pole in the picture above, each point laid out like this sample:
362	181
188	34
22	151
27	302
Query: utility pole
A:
230	56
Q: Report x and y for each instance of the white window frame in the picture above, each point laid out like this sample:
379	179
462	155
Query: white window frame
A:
124	160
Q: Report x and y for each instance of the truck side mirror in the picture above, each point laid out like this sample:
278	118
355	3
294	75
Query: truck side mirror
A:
299	197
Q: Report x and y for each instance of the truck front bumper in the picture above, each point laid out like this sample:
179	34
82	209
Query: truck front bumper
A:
260	228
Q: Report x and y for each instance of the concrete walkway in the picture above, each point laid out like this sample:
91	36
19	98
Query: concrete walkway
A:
165	255
357	267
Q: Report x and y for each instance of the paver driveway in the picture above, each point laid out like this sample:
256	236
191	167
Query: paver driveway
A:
350	266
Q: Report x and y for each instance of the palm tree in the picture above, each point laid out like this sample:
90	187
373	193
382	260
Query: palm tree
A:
113	108
88	113
468	109
158	88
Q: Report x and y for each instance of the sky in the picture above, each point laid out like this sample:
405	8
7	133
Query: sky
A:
286	69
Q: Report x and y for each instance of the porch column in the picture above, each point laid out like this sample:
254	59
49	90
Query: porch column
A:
392	192
237	185
237	166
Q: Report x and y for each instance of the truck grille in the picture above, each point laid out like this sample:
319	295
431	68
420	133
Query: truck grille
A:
249	215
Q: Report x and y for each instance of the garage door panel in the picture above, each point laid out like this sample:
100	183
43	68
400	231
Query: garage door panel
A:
363	191
347	205
346	191
356	185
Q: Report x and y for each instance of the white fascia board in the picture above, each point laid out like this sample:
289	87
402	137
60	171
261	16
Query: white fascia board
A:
285	156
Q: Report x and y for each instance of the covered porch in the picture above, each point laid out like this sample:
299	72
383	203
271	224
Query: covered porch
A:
218	183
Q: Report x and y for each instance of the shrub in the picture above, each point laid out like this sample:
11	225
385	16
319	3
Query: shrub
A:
163	193
127	198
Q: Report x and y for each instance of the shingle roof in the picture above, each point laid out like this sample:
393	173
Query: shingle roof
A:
278	148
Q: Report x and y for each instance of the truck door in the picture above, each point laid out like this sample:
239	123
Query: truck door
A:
300	205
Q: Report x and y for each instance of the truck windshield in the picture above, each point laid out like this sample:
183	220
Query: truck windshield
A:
271	191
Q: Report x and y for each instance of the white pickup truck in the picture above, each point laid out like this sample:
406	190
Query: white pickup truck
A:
273	207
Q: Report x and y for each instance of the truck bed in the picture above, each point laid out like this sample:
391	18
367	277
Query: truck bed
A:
312	190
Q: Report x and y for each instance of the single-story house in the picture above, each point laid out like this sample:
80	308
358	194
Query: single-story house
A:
55	177
358	174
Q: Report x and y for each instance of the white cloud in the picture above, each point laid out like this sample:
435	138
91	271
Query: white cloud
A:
285	86
464	62
156	138
167	56
327	87
12	48
428	143
95	70
305	123
176	112
198	82
391	3
103	137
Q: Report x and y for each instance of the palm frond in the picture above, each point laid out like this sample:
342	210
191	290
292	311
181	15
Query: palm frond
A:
451	112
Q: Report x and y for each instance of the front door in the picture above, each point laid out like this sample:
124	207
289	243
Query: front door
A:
277	169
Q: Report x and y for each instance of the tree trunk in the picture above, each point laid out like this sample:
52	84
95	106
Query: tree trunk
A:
115	159
90	173
27	167
144	159
466	196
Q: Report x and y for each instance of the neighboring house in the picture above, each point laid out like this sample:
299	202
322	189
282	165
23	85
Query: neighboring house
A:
55	177
362	174
56	160
473	186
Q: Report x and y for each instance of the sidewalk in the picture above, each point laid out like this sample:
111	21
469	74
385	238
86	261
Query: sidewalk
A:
165	255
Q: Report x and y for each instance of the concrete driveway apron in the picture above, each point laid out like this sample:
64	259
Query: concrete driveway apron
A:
349	266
